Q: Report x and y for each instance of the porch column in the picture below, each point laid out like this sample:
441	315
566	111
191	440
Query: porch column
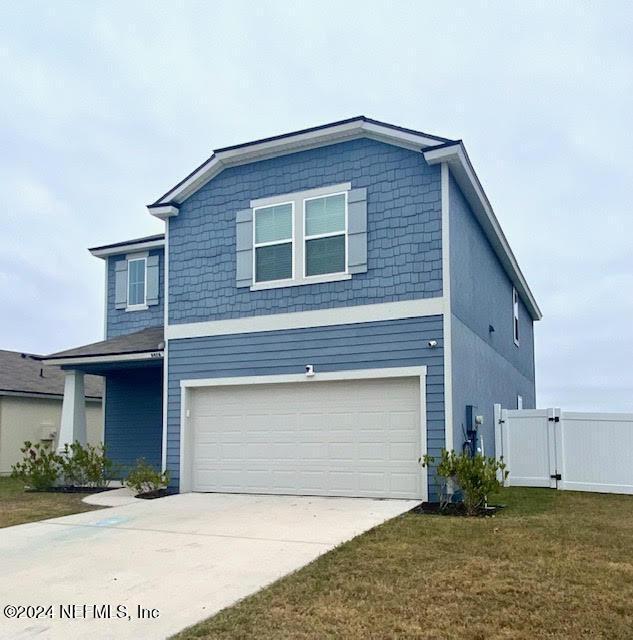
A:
73	424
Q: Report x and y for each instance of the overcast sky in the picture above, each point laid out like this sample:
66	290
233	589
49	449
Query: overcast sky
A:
105	105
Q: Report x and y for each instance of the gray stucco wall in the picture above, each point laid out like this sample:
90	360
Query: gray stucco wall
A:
487	367
396	343
120	321
403	237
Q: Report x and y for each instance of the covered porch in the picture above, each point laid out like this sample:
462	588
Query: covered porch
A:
132	368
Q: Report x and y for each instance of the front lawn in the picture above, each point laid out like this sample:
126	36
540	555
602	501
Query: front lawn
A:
18	506
554	564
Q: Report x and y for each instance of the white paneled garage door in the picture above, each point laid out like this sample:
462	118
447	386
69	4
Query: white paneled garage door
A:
336	438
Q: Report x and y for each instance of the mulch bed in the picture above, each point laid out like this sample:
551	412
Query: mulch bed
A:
453	509
152	495
71	490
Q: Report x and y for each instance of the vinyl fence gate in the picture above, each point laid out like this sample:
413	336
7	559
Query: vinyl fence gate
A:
566	450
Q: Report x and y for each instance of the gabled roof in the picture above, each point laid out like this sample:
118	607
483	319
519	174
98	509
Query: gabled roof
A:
24	374
126	347
359	126
146	242
434	148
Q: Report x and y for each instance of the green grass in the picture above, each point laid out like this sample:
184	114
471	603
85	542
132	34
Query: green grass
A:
553	564
18	506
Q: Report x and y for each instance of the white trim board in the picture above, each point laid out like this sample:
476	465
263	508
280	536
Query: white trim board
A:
185	457
166	350
446	320
321	136
123	357
306	319
461	168
127	248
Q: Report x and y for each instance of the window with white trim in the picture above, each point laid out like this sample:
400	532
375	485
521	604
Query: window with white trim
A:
515	316
301	238
136	282
325	234
273	255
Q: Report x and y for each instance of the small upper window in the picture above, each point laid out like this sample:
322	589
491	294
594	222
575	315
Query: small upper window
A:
273	242
325	223
136	282
515	316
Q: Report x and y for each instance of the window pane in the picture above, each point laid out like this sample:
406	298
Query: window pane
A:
273	262
325	255
273	223
136	279
325	215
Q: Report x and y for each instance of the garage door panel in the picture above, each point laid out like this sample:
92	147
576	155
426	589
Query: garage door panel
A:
348	438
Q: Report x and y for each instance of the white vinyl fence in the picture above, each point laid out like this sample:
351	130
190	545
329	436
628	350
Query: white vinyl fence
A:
566	450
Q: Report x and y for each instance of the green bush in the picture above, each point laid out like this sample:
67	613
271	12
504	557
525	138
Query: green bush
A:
143	478
85	466
475	476
39	468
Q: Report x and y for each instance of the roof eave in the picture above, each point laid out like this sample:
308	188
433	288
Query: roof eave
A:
109	358
285	144
116	249
454	154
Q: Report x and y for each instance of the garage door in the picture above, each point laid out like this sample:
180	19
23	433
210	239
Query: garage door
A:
340	438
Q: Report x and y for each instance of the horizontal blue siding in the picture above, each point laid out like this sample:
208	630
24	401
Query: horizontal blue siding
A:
482	377
403	232
120	321
394	343
134	416
487	367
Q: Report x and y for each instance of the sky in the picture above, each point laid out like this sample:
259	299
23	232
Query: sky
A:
106	105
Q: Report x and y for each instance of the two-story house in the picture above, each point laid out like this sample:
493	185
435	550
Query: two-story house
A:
324	307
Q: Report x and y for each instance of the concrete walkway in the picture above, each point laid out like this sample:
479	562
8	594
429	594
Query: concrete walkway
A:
112	498
147	569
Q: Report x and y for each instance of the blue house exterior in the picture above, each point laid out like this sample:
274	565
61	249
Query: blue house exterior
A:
320	312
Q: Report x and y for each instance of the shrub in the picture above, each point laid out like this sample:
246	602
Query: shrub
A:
85	465
476	476
39	468
143	478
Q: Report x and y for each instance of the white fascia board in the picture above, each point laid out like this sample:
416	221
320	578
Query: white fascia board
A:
105	359
127	248
42	396
457	159
290	144
164	212
307	319
330	376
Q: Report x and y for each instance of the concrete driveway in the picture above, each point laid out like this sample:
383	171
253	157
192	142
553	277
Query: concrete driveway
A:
180	559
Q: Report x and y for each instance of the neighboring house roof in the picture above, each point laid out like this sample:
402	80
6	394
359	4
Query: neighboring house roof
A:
146	341
23	374
146	242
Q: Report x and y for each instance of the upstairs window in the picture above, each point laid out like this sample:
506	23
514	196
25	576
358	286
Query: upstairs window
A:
305	237
515	316
274	242
325	235
136	282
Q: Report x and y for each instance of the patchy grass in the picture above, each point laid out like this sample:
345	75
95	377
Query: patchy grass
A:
18	506
554	564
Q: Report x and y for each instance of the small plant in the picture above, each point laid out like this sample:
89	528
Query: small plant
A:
85	465
476	476
39	468
143	478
